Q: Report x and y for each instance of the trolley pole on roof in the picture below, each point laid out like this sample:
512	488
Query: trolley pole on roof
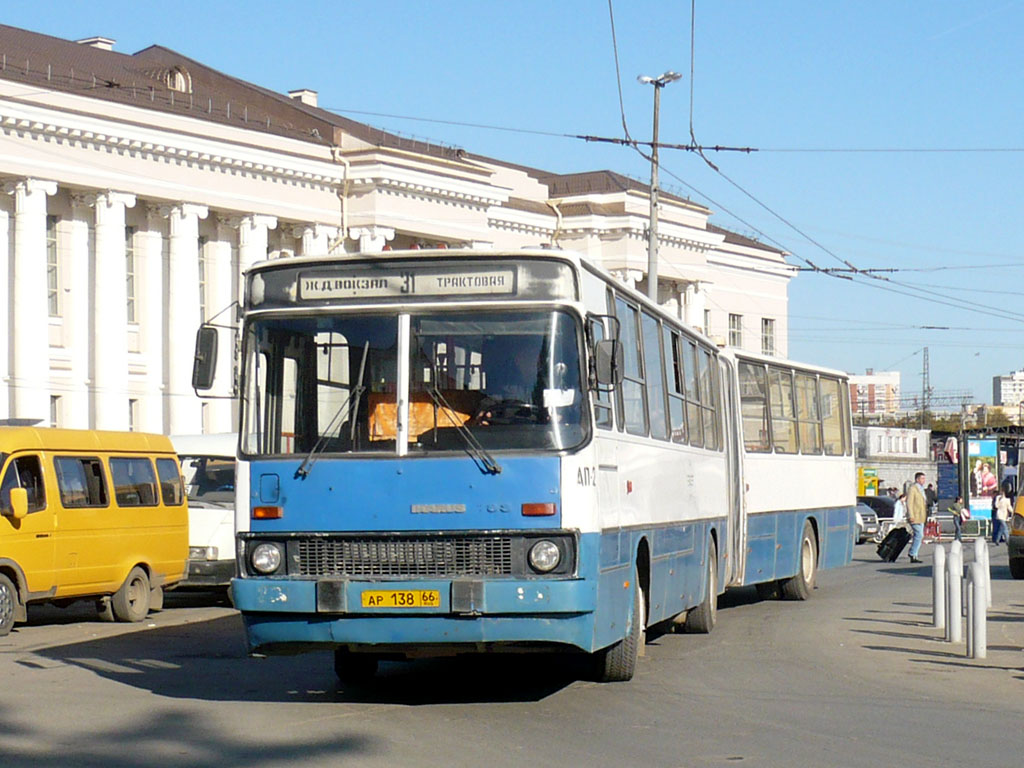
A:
658	82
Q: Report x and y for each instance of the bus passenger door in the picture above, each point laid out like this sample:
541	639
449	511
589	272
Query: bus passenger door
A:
734	476
28	542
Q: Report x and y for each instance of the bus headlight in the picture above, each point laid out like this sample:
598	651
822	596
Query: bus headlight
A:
265	558
544	556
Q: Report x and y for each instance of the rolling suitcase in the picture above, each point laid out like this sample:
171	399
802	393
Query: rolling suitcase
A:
893	544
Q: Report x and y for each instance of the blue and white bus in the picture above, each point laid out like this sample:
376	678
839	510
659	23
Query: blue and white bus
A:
464	451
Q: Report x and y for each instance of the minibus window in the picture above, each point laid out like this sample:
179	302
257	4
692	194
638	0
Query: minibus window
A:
170	482
80	482
134	482
24	472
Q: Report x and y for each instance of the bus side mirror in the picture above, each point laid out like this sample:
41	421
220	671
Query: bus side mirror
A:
205	363
608	362
19	503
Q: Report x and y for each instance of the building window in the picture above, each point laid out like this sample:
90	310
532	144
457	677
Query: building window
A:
707	322
129	269
735	330
133	414
55	415
202	279
767	336
52	268
179	80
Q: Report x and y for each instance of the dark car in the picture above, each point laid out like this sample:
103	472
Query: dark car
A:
884	506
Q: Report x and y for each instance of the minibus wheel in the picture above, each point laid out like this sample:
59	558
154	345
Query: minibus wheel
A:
8	602
701	619
131	602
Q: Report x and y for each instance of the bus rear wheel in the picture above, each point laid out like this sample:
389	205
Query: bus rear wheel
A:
799	587
131	602
8	601
701	620
354	668
617	664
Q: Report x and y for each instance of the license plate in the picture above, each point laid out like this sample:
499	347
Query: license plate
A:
401	598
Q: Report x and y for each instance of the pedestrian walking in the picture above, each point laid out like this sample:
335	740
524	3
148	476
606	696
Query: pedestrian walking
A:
917	514
1002	509
960	513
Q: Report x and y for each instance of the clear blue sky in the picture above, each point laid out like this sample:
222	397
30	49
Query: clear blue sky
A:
799	75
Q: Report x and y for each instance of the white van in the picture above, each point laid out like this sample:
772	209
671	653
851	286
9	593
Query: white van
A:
210	471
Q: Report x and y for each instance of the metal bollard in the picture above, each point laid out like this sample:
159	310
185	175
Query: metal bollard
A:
986	573
977	633
939	587
954	577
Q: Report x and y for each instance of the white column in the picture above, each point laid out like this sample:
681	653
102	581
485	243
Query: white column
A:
77	413
316	238
30	325
5	310
220	286
110	350
252	245
696	303
149	251
371	239
185	414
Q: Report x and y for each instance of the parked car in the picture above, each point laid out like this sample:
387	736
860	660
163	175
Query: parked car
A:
1015	542
884	506
867	523
208	465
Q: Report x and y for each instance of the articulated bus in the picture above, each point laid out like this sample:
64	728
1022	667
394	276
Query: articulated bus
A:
456	451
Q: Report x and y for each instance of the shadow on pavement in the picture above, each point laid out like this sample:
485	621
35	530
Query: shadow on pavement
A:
172	740
208	660
47	614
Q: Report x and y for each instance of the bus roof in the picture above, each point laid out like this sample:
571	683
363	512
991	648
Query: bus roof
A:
743	354
50	439
419	254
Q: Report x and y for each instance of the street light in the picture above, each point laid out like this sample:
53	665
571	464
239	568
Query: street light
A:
658	82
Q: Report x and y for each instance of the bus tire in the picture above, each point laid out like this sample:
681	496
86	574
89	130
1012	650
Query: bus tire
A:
131	602
799	587
617	663
354	668
1017	567
8	604
701	620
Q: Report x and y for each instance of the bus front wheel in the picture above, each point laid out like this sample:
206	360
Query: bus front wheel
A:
617	664
799	587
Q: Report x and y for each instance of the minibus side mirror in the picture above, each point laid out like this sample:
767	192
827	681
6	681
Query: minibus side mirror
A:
204	366
19	503
608	362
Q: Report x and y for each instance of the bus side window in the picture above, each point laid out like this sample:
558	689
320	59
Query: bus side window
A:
784	431
634	393
676	391
754	408
602	397
80	482
655	375
24	472
170	482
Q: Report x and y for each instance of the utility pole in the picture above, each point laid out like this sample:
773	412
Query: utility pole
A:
925	387
652	230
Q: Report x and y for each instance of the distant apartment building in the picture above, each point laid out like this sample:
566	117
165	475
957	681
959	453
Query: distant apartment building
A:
873	393
1008	390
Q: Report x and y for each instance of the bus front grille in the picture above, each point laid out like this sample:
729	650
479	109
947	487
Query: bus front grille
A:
445	556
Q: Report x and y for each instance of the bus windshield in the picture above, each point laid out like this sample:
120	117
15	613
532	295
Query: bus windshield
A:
512	379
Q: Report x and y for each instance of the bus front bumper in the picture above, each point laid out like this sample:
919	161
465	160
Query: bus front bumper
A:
282	615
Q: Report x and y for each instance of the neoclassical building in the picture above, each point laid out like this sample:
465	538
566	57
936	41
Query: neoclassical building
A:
138	188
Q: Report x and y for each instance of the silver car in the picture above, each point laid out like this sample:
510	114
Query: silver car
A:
867	523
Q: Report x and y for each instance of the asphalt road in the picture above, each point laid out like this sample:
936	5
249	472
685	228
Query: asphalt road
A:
856	676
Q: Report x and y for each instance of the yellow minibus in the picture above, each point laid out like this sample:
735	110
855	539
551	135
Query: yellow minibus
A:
89	514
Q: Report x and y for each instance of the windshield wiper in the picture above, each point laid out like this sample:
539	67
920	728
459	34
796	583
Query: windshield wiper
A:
480	455
354	396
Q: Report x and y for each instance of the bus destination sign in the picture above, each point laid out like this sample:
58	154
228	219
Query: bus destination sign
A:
407	283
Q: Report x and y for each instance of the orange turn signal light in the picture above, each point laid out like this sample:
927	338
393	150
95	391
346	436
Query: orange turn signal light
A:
267	513
539	510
